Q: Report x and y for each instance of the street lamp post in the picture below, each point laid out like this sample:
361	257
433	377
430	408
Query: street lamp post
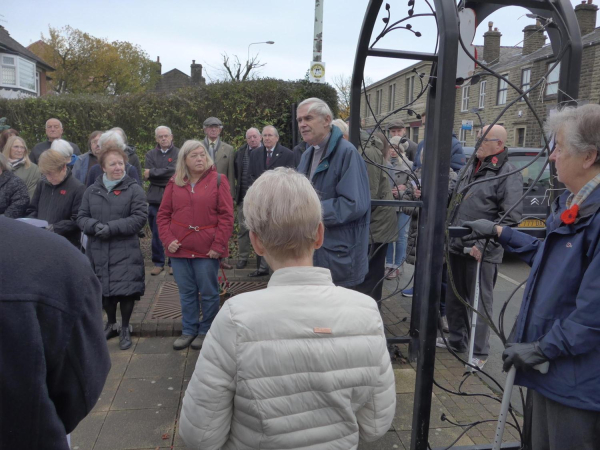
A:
254	43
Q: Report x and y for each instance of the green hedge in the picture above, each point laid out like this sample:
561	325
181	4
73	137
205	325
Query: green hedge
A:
239	105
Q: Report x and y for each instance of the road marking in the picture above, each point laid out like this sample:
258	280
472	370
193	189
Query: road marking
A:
510	280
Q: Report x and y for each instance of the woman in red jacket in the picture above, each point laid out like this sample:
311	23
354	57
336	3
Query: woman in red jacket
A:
195	222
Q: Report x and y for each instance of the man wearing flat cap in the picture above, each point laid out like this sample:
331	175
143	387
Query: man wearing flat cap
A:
220	152
396	128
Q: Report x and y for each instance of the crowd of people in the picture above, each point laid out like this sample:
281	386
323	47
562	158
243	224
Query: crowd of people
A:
307	213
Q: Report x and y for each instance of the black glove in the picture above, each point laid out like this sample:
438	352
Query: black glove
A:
102	231
523	356
480	229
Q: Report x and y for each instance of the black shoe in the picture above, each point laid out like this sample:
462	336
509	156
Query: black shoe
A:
125	340
198	341
111	330
259	273
241	264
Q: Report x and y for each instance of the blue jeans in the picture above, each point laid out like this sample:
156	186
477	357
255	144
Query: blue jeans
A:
158	251
195	276
395	261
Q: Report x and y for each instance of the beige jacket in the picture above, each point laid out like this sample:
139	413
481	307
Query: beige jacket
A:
225	162
301	364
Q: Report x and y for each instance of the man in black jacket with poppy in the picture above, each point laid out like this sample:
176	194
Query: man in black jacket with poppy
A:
492	196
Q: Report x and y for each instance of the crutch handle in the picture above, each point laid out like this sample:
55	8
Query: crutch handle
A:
543	367
467	250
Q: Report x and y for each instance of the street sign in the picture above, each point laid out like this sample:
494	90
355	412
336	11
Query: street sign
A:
316	73
467	125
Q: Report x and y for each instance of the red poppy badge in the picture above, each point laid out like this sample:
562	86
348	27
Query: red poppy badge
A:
63	192
494	160
170	159
117	192
569	215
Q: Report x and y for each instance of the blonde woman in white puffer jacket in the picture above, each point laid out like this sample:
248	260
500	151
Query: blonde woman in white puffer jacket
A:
300	364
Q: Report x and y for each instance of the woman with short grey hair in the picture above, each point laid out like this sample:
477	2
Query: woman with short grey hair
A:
560	313
300	364
113	139
66	149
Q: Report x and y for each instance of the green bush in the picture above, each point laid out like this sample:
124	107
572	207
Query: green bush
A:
254	103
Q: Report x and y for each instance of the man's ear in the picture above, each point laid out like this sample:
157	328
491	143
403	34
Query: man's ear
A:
259	248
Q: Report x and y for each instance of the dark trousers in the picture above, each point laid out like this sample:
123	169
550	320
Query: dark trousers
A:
559	427
464	271
158	251
373	282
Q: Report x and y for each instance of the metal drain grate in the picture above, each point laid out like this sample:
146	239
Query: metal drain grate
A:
167	305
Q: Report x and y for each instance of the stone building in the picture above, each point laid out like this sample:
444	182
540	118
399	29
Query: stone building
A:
175	79
523	66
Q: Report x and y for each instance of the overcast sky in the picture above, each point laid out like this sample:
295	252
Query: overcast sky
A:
180	31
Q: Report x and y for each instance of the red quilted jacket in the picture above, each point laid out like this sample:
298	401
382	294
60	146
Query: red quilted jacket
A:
209	214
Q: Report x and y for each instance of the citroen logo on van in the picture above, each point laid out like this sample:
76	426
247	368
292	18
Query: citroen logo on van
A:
535	201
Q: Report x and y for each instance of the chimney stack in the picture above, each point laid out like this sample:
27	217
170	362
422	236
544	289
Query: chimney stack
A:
158	65
491	45
586	16
196	73
533	38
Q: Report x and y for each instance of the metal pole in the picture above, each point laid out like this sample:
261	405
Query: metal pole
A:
318	41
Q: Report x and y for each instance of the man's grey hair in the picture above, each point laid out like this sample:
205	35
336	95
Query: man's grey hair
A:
580	128
122	131
160	128
343	126
111	138
284	211
252	129
317	106
271	127
63	147
4	166
54	118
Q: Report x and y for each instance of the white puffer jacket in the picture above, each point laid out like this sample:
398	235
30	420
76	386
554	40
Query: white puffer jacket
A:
301	364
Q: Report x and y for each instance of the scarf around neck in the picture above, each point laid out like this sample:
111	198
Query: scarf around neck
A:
110	184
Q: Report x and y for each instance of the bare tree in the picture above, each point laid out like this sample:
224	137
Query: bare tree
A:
342	85
236	71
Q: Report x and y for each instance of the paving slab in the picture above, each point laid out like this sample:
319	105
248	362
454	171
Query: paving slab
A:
155	345
390	440
405	380
119	362
156	365
107	395
404	409
135	429
145	393
85	435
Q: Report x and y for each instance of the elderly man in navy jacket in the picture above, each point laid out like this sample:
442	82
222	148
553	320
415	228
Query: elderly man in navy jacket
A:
53	354
339	175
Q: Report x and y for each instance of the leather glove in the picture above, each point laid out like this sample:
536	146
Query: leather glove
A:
103	231
480	229
523	356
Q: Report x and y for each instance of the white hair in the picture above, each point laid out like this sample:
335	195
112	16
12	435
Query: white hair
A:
160	128
63	147
272	128
284	211
343	126
580	127
317	106
111	138
53	118
252	129
120	130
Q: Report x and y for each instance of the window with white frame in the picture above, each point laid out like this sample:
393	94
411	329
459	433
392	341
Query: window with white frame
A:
37	83
482	87
18	72
520	137
463	137
392	96
525	82
464	106
502	90
410	88
552	80
379	95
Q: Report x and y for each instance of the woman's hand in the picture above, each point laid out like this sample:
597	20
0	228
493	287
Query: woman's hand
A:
174	246
417	193
213	255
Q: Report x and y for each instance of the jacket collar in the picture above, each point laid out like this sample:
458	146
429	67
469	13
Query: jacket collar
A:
202	177
301	276
160	150
492	162
590	206
124	184
334	139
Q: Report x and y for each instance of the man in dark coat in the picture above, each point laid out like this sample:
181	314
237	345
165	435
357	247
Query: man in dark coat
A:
132	157
54	130
396	128
339	175
298	150
268	157
53	354
486	200
243	183
160	167
457	155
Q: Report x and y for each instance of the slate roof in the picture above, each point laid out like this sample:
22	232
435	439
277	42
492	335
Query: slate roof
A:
8	43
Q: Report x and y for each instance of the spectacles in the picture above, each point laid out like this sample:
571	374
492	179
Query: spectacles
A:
489	140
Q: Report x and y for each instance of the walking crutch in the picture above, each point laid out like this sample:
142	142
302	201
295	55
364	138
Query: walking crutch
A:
467	250
508	387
